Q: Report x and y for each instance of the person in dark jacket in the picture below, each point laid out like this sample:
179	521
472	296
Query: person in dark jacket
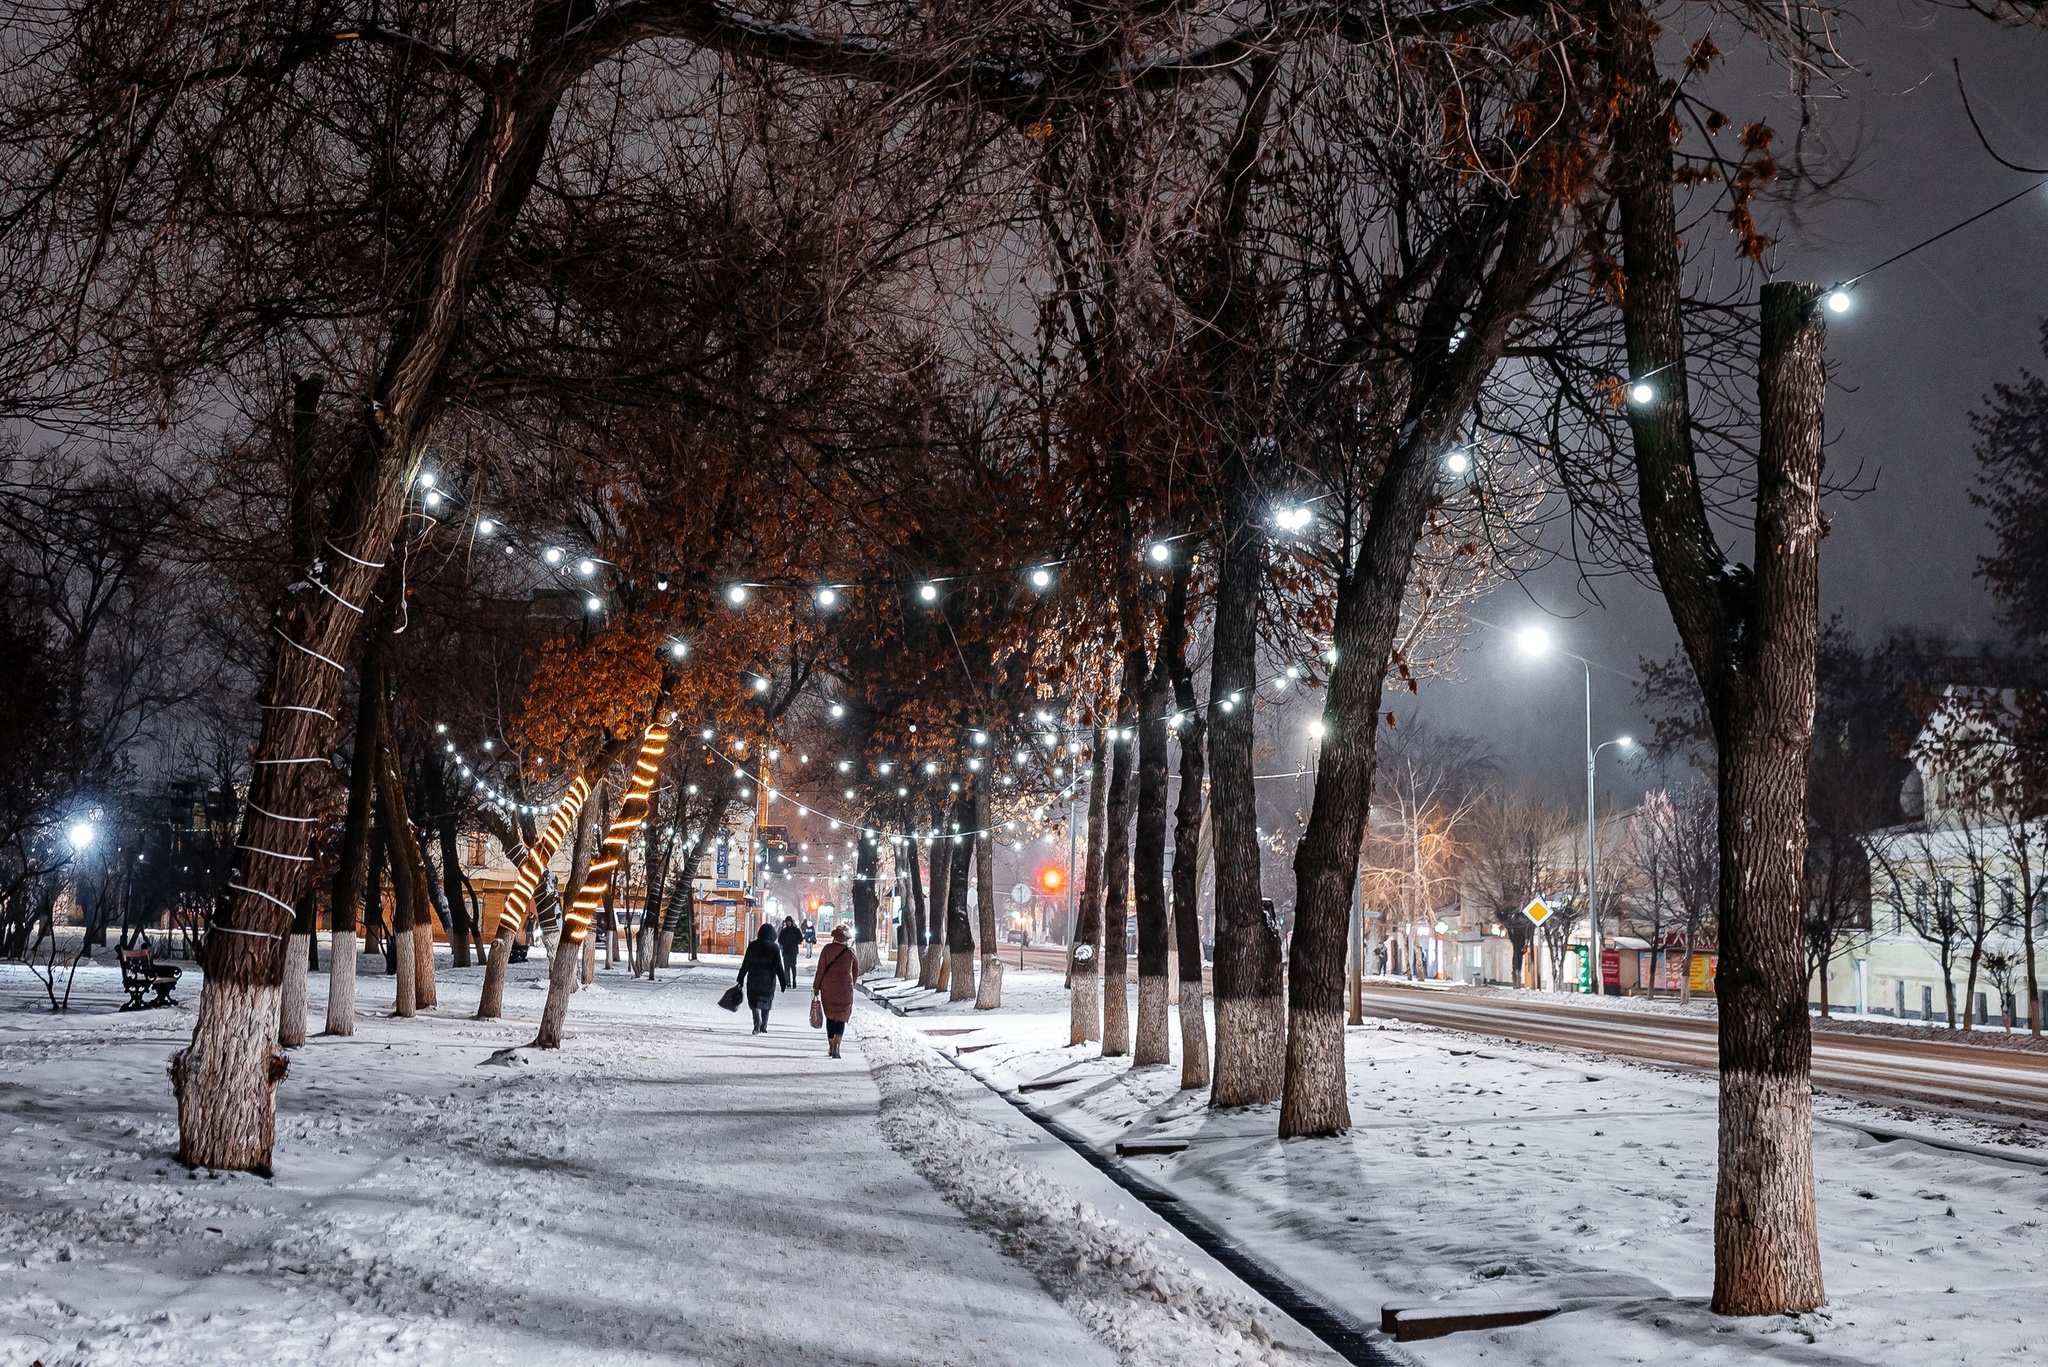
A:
791	939
832	985
760	973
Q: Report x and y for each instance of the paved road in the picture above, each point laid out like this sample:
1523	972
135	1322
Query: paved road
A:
1955	1075
1946	1074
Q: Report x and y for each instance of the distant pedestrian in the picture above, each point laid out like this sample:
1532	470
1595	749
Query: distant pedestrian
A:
760	972
832	985
810	938
791	939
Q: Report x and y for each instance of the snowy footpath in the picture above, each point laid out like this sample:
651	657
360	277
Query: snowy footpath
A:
665	1188
1482	1172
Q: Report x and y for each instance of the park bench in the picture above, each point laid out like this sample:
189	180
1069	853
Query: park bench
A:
140	973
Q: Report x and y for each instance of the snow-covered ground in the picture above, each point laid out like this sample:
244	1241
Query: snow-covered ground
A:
1489	1171
666	1188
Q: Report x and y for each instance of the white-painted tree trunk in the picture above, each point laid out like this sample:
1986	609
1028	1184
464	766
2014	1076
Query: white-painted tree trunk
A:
341	984
291	997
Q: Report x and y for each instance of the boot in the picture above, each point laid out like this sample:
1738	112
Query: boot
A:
835	1049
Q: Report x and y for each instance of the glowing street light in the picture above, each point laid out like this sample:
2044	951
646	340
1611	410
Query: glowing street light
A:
1535	640
81	836
1838	301
1641	392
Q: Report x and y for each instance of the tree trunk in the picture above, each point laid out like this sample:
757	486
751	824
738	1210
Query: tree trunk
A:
1750	639
375	924
565	955
1250	1013
562	968
1356	966
959	930
1116	869
915	918
225	1080
291	1007
1970	986
866	860
937	954
1152	1045
1766	1245
988	994
449	885
600	871
1084	953
1461	332
1187	840
2027	939
532	881
404	960
352	871
414	923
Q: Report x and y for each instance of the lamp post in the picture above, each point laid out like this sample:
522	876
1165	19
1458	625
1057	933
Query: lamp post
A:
1536	641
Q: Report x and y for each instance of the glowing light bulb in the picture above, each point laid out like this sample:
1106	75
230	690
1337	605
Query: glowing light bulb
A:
1641	392
929	592
736	595
594	604
1457	462
828	597
553	555
484	526
1159	552
586	568
1532	640
1838	301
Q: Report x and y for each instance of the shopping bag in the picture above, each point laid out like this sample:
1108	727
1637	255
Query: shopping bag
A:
731	1000
817	1013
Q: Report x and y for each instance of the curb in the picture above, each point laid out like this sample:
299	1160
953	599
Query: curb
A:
1342	1334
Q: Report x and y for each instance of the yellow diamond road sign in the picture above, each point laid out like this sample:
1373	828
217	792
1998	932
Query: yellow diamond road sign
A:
1538	911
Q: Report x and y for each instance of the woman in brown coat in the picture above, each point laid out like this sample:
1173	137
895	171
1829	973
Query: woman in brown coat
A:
832	985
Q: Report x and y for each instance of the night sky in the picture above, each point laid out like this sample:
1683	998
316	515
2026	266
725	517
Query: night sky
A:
1923	343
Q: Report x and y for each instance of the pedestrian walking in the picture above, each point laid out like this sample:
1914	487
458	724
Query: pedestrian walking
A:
832	987
810	938
791	939
760	972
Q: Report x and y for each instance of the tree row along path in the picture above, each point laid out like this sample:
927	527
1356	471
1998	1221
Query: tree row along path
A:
1945	1074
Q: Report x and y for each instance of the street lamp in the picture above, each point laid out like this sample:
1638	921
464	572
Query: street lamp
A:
1536	641
81	836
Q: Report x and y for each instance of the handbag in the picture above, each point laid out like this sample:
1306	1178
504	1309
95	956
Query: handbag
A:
731	1000
817	1012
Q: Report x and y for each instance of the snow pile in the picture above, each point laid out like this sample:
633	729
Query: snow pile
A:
1145	1302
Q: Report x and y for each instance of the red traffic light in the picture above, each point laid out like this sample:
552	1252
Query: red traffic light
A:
1052	878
